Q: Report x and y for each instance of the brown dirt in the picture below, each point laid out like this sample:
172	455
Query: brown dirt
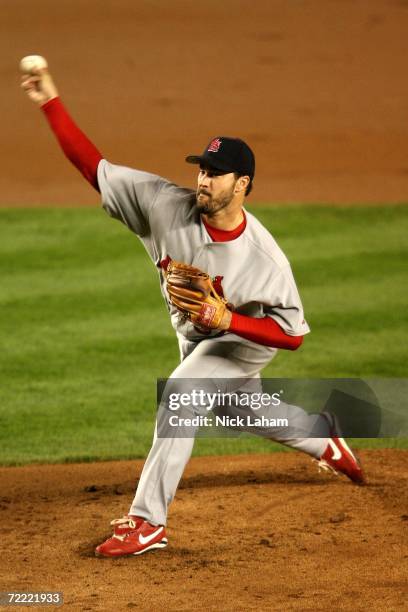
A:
318	88
264	532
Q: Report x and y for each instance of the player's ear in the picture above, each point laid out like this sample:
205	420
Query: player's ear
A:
242	184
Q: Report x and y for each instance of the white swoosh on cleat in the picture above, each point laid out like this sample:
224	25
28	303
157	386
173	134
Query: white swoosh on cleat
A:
145	540
336	452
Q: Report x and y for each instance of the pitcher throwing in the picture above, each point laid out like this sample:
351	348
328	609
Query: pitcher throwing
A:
229	327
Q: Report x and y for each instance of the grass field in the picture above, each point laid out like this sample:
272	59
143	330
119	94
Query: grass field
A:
85	332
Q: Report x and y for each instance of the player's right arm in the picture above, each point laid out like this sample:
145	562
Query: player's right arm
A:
41	89
127	194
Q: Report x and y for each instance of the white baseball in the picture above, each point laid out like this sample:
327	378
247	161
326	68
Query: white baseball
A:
32	62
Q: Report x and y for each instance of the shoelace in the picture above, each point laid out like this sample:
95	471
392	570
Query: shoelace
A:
125	521
323	465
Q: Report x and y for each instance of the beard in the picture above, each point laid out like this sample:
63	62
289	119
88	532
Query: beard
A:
209	205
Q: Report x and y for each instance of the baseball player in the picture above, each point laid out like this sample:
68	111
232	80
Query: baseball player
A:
207	228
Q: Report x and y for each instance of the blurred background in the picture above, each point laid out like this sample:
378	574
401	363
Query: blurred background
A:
319	90
317	87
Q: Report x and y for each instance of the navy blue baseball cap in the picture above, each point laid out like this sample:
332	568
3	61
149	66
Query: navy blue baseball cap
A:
227	155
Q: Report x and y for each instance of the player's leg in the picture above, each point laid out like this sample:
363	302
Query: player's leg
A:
287	424
214	360
311	430
143	528
318	435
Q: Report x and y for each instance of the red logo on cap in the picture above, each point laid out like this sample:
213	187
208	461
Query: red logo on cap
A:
214	145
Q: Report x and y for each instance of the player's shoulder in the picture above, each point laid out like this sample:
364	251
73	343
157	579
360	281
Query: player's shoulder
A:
118	172
172	191
132	178
262	240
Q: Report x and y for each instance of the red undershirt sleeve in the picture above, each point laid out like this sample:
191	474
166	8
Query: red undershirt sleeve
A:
263	331
76	146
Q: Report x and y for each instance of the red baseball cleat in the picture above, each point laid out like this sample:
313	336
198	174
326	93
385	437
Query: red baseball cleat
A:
338	457
132	535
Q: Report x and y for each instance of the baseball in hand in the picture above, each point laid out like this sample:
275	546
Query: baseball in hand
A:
32	62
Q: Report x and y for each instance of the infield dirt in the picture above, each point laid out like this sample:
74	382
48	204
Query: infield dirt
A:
319	89
258	532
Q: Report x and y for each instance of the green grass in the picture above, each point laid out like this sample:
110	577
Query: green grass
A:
85	332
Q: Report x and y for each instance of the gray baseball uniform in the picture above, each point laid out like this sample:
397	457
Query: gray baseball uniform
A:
256	278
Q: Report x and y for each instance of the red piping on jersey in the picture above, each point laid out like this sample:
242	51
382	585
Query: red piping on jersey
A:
263	331
76	146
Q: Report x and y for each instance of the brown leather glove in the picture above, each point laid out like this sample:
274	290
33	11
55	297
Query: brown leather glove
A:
192	293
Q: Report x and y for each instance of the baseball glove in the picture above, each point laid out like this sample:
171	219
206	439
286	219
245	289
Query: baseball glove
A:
192	293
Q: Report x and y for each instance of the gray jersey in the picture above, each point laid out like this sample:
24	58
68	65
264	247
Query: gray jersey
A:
256	275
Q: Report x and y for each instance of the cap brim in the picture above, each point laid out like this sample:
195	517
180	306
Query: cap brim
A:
200	159
194	159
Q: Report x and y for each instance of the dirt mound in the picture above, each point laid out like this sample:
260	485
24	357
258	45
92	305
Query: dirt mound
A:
264	532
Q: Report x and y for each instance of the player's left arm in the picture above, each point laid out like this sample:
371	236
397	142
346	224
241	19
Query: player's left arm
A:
264	331
192	292
284	325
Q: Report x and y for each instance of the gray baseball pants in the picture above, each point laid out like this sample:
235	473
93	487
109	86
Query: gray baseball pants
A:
225	357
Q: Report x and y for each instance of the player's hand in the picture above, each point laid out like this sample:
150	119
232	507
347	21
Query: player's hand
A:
39	86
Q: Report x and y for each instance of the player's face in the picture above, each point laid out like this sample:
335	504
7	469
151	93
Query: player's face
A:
215	190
